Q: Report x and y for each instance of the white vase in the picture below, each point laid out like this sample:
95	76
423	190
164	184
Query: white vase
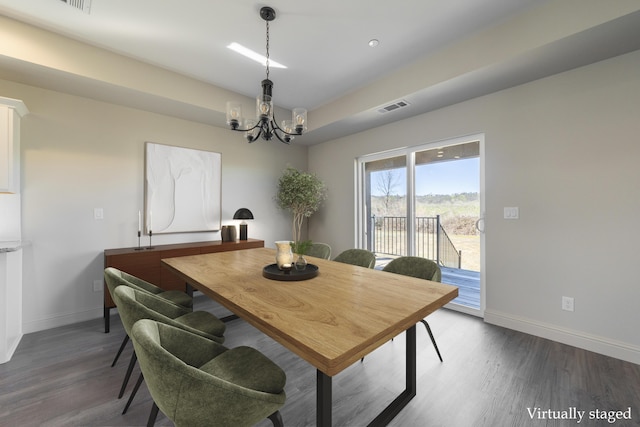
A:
284	255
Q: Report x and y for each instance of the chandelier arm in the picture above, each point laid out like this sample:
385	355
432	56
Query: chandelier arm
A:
251	138
248	129
261	131
274	122
275	132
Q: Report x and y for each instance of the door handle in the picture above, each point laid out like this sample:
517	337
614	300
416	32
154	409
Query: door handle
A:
480	224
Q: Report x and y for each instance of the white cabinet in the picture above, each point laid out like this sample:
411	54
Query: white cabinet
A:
10	302
11	110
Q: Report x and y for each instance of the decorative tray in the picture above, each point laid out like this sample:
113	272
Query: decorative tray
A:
272	271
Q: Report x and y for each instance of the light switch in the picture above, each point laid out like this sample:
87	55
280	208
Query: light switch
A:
511	213
98	213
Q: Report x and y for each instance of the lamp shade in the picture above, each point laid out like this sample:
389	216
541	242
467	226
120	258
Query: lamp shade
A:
243	213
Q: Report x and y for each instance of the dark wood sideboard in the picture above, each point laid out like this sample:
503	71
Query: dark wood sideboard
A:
145	263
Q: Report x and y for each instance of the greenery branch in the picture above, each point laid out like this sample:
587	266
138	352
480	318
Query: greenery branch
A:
301	247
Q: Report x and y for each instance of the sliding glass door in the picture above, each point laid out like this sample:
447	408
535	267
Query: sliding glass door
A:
426	201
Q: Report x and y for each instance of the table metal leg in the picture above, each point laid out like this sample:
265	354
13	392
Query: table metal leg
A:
409	393
324	396
323	400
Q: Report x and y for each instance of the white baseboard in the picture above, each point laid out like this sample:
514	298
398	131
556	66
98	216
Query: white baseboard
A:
597	344
464	309
62	320
10	349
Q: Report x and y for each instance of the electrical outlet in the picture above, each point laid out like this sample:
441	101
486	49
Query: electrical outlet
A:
97	285
98	214
567	303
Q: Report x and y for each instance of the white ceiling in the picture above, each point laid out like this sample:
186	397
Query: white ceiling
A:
323	44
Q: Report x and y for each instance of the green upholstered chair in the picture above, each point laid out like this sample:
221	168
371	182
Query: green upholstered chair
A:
114	278
134	305
198	382
421	268
319	250
361	257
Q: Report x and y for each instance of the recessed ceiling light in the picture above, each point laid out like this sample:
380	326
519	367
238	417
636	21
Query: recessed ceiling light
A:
373	43
244	51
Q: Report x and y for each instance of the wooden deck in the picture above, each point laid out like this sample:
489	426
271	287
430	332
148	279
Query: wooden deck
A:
467	281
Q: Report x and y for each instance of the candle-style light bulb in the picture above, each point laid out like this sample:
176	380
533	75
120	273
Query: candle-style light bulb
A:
287	127
234	114
263	107
299	116
252	133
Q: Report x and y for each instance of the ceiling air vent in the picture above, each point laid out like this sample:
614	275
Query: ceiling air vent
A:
394	106
83	5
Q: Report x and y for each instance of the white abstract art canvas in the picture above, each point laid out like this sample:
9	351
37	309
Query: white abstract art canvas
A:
182	189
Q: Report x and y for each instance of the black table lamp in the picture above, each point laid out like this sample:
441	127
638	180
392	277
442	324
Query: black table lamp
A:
243	214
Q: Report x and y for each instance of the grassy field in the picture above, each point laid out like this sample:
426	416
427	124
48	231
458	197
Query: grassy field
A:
470	247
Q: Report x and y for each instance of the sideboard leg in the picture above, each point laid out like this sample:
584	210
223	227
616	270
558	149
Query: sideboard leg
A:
107	319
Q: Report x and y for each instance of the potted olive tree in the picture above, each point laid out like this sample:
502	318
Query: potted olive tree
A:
301	194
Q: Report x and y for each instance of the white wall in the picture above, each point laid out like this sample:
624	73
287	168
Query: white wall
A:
563	149
79	154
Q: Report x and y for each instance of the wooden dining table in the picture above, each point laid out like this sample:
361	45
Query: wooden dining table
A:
331	320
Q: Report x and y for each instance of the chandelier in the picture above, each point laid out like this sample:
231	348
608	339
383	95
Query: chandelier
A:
265	124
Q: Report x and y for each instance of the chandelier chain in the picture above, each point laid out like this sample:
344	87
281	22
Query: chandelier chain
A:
267	50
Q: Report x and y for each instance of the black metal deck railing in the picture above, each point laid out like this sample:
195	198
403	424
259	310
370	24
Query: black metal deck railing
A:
388	235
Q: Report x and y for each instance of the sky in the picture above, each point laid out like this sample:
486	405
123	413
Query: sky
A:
459	176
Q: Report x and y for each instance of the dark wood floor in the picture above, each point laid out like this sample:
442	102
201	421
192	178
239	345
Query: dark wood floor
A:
490	377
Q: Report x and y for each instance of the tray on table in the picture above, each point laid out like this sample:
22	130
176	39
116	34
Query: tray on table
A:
272	272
